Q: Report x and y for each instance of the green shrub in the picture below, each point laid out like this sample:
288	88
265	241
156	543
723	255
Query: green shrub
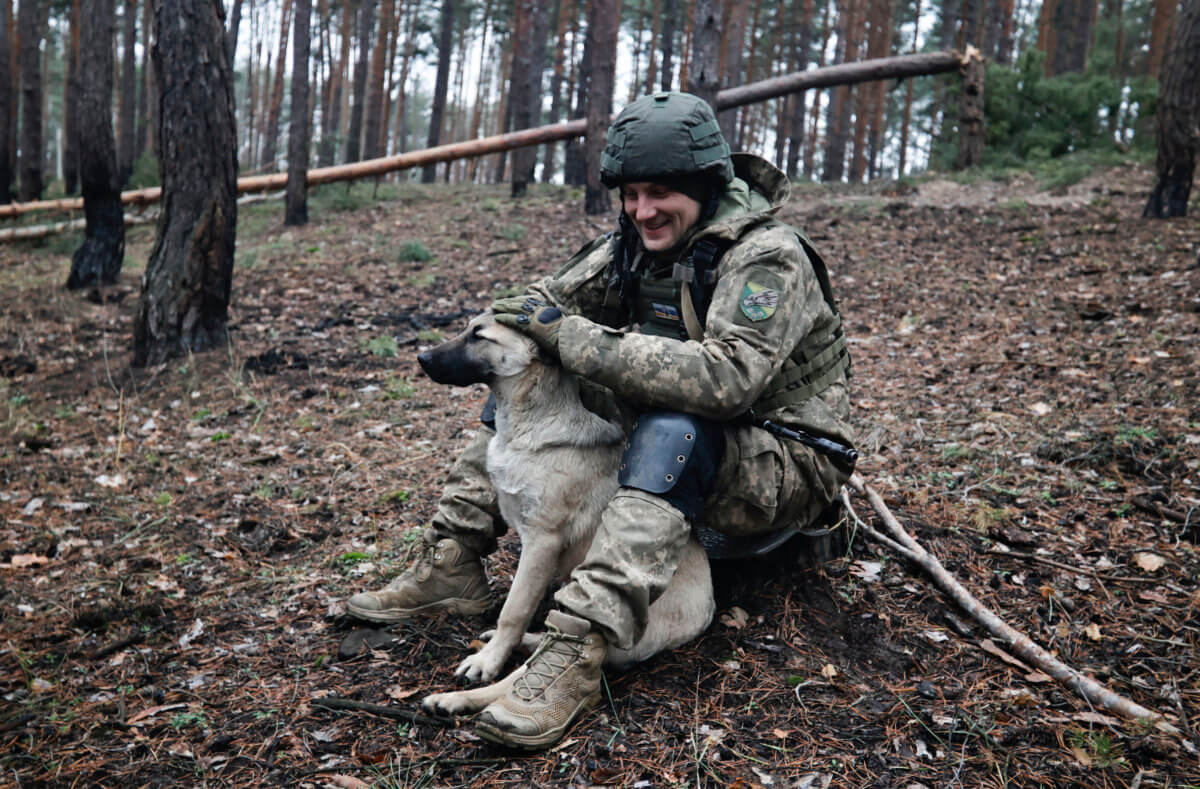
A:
413	251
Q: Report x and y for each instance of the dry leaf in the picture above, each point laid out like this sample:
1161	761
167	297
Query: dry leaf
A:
348	782
1092	631
1150	562
27	560
1081	756
829	671
1040	409
399	694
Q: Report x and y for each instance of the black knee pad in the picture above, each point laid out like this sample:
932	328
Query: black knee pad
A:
675	456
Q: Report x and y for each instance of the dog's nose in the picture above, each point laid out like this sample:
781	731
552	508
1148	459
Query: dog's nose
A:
423	359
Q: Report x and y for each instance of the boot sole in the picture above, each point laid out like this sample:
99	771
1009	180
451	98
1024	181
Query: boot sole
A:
535	741
458	605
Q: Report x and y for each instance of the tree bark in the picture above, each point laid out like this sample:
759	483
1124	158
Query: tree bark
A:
373	126
1178	118
8	104
575	170
734	46
71	105
704	80
441	85
235	23
98	260
275	107
331	117
185	291
145	110
908	98
565	11
366	23
1073	22
670	19
796	136
300	131
971	121
127	119
527	112
31	163
1160	29
604	28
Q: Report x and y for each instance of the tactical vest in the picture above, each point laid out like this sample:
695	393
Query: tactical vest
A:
815	363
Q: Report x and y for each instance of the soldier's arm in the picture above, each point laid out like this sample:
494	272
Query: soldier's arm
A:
765	301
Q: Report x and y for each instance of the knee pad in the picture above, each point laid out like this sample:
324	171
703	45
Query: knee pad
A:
675	456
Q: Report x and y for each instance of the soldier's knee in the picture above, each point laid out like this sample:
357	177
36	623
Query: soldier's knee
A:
675	456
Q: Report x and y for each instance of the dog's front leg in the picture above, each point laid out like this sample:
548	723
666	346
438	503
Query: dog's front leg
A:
535	571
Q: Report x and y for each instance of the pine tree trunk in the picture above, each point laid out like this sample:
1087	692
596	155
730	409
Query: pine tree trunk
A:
300	131
1178	118
528	101
704	79
185	290
441	85
275	109
565	9
1160	29
373	125
670	14
575	166
366	25
604	23
7	104
908	98
837	120
639	29
31	164
126	123
685	58
98	260
145	91
796	137
810	146
652	49
481	92
331	117
71	105
405	67
733	46
235	24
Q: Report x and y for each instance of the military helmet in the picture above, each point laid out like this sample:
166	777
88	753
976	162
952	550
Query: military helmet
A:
665	136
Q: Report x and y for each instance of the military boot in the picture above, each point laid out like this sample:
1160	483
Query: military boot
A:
446	576
556	684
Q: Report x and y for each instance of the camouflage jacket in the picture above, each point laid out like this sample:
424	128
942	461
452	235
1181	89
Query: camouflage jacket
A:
744	346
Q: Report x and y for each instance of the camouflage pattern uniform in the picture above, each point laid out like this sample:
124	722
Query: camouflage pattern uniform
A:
763	483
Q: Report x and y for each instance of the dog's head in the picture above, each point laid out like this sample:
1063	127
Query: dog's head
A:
482	353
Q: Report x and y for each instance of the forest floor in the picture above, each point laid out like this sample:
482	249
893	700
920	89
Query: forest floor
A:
178	542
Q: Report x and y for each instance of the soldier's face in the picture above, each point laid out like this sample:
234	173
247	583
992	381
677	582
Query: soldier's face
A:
660	214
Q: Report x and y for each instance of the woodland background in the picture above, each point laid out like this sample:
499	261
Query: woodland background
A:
1064	76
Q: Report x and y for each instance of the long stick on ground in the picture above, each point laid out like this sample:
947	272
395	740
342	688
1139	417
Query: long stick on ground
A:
899	540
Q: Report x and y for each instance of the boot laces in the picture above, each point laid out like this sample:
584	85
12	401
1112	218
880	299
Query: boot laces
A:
419	570
557	653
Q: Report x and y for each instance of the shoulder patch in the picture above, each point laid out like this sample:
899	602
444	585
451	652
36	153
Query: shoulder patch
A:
758	301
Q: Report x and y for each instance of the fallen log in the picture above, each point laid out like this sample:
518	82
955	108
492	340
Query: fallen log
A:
899	540
898	67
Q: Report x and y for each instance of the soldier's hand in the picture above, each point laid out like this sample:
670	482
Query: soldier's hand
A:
533	317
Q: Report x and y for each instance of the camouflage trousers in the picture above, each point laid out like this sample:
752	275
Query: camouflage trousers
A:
762	484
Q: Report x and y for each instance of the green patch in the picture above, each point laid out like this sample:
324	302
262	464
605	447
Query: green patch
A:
759	301
413	251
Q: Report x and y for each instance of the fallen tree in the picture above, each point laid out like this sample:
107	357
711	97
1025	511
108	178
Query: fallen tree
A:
898	67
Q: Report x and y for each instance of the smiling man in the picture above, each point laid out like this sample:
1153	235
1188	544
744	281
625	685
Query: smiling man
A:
700	310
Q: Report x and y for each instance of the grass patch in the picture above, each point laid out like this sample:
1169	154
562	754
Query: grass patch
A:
384	345
413	251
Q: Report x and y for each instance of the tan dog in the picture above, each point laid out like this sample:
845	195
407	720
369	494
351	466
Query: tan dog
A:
554	467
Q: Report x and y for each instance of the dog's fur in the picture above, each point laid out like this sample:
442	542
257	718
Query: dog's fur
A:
554	467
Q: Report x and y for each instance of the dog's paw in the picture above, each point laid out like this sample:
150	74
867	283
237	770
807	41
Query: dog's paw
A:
483	666
447	705
529	641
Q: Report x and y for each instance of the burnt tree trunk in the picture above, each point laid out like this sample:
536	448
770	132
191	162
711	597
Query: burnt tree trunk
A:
30	164
185	291
971	120
670	18
7	105
127	120
98	259
703	77
300	132
1178	118
441	85
603	30
70	164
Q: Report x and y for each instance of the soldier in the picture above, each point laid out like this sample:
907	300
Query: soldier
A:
700	308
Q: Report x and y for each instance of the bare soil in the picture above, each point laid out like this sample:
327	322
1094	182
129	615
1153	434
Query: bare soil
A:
177	542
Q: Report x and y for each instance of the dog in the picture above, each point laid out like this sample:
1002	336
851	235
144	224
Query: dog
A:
553	464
